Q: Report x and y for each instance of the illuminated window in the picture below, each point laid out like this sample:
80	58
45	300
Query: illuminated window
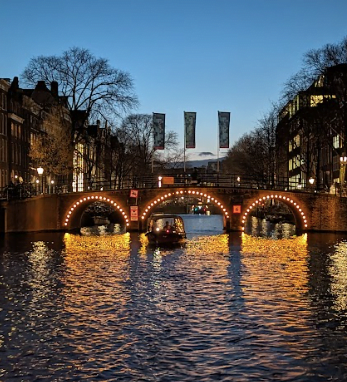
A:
315	100
78	175
296	141
337	141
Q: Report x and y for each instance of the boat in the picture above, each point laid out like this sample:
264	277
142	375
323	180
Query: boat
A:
165	229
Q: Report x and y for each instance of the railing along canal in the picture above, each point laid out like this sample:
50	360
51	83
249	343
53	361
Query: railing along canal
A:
214	180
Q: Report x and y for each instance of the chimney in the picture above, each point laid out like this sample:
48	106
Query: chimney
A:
54	89
15	83
41	85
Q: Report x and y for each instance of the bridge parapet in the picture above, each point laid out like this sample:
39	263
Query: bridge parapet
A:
312	211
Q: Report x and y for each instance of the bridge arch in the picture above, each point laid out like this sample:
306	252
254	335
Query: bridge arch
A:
187	192
75	210
296	207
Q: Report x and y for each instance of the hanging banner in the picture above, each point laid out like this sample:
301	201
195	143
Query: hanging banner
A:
224	123
189	128
134	213
134	193
159	131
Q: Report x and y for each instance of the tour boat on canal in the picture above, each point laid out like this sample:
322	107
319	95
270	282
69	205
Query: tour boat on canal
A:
165	229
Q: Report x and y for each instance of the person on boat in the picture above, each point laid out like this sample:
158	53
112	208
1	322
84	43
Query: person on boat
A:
167	226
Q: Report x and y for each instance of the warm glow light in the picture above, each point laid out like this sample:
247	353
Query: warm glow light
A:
82	200
162	198
243	218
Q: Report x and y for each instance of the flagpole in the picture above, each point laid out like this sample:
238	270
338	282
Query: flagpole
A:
218	144
184	147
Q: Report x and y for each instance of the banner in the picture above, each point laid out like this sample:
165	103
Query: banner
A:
134	193
159	131
224	123
189	128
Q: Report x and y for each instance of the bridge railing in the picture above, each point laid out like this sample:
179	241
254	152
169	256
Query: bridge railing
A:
149	181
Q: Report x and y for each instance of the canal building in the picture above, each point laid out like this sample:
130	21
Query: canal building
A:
311	132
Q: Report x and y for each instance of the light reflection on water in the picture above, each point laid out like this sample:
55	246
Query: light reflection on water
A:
218	308
261	227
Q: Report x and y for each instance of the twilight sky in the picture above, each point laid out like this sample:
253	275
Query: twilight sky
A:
183	55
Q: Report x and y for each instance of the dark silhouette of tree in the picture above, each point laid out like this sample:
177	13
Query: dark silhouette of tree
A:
131	152
89	84
315	62
254	153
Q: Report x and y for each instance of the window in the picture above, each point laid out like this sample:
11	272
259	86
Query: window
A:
337	141
296	141
295	182
315	100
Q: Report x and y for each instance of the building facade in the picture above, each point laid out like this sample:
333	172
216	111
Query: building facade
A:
311	134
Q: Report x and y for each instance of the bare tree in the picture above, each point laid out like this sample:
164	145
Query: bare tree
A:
51	149
132	151
315	63
254	153
246	156
88	83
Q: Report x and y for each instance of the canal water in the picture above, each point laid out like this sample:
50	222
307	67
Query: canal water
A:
221	307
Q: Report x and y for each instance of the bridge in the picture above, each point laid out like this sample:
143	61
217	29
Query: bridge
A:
312	211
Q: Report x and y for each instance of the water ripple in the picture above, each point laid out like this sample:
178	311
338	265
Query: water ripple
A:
107	308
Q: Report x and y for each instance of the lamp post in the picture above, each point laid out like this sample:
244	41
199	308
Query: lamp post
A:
343	162
52	186
40	172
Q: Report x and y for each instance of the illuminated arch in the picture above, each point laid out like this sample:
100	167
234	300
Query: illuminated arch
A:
287	200
93	198
169	195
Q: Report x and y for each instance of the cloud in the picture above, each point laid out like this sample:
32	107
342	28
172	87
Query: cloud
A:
206	154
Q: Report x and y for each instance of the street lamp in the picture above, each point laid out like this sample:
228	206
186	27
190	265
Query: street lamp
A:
40	172
311	180
52	186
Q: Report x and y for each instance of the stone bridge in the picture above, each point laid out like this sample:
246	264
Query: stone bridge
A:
63	212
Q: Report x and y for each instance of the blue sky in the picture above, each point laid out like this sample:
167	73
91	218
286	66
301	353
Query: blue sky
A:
183	55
